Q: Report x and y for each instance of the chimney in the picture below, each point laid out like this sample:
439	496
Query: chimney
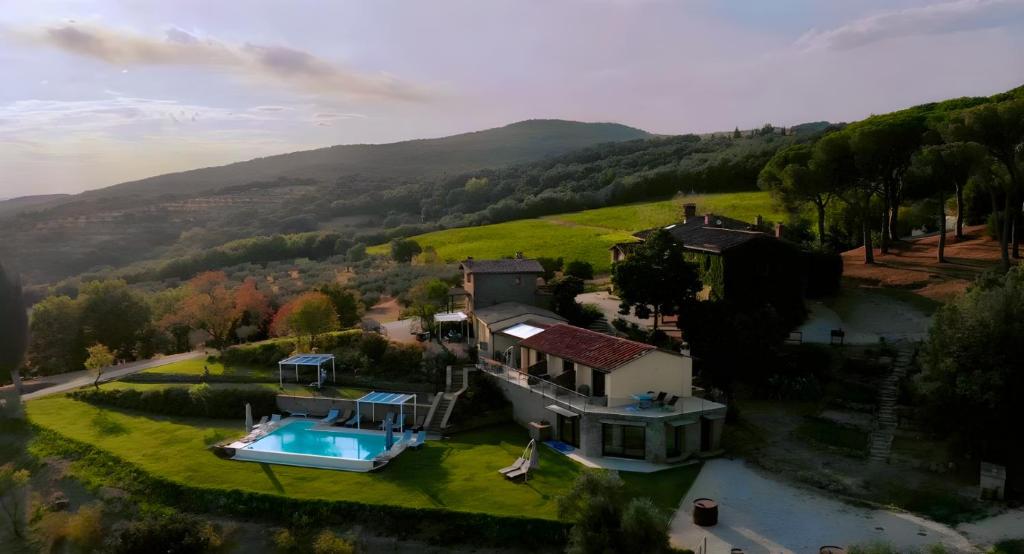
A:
689	211
779	230
758	221
709	219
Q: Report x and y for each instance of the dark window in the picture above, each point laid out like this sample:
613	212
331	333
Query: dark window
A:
623	441
569	430
597	382
675	439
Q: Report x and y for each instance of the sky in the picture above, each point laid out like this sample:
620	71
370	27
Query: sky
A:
100	92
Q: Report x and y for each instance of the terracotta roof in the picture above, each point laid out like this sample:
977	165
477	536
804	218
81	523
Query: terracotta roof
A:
587	347
509	265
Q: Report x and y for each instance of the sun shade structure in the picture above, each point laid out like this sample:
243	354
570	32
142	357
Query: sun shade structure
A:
312	360
523	330
390	399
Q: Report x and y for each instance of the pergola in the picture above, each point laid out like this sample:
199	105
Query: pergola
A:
391	399
452	317
314	360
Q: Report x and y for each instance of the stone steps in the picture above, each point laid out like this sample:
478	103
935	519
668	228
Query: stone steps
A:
886	416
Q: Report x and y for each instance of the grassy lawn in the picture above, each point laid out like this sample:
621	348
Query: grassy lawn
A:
825	432
289	388
584	235
197	366
459	474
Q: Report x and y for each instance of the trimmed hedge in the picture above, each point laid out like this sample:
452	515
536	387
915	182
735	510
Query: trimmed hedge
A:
270	352
194	401
344	380
430	524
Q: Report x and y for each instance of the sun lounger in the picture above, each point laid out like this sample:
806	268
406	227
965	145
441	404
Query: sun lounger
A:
671	404
417	442
516	466
351	422
263	421
331	417
407	436
275	418
523	471
659	399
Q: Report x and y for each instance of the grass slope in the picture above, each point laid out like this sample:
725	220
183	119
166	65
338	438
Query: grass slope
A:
585	235
458	474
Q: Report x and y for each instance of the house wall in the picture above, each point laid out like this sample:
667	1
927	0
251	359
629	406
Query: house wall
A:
488	289
656	371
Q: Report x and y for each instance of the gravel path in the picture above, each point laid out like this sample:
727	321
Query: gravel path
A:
762	515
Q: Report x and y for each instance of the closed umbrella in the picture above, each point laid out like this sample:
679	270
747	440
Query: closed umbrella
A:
248	417
388	433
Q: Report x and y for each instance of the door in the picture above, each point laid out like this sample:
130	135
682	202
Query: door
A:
569	430
597	382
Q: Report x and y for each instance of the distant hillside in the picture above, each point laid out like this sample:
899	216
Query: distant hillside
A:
512	144
21	203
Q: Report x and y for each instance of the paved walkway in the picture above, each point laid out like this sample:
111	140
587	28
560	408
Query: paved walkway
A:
762	516
70	381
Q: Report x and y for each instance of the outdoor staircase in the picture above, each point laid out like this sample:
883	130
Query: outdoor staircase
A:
439	419
886	421
601	325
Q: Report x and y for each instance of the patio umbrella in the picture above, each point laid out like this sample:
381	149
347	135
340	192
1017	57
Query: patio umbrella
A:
389	437
534	456
248	417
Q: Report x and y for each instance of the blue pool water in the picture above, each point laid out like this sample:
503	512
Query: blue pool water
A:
297	437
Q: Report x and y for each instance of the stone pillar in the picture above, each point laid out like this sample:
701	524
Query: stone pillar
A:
590	435
655	442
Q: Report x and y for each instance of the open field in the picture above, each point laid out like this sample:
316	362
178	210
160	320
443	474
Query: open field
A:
458	474
584	235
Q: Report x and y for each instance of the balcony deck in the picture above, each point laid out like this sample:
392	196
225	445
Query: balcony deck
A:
581	403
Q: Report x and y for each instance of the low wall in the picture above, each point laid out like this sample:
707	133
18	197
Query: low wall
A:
319	406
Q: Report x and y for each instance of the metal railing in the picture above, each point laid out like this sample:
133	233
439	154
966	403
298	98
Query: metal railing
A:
537	385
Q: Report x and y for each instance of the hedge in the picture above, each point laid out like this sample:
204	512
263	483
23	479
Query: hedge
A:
194	401
344	380
432	524
270	352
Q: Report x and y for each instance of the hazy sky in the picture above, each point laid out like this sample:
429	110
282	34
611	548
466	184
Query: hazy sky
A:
98	92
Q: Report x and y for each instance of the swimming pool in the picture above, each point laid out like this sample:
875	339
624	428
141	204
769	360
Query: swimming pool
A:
301	442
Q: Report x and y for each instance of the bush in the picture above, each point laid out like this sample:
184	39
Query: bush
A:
173	532
373	346
85	527
264	354
329	543
401	359
580	269
198	400
284	541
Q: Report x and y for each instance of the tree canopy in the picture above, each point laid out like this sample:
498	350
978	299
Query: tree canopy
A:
656	276
14	321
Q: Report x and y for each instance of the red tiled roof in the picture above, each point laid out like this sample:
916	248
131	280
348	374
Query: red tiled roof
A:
586	347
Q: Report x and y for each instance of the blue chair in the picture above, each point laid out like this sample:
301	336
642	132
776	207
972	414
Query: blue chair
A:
332	416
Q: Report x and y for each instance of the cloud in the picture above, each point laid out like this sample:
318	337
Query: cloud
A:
281	65
934	19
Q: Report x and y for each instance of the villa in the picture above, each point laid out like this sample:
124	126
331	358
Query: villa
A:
600	396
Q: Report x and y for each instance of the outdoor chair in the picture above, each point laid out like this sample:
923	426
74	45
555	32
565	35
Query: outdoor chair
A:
523	471
417	442
407	436
658	400
275	418
351	422
331	417
263	421
671	404
389	417
516	465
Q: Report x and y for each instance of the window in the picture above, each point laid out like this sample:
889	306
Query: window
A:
675	439
623	441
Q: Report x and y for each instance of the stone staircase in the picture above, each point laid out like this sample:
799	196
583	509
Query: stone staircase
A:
437	422
886	419
601	325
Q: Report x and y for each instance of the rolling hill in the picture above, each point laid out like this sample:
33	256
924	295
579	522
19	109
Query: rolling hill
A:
512	144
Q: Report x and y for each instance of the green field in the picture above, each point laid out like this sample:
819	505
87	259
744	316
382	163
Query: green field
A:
458	474
585	235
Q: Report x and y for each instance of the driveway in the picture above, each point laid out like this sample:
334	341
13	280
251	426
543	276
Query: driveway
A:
762	516
609	306
866	316
69	381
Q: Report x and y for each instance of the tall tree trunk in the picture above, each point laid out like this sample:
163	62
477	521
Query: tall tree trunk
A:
821	223
959	212
997	227
1004	236
869	254
1015	233
886	205
942	228
894	213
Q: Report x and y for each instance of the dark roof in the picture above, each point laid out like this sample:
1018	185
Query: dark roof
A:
721	234
509	265
507	310
587	347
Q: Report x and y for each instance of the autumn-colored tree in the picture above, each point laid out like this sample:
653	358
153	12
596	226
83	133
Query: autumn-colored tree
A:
217	309
100	357
311	314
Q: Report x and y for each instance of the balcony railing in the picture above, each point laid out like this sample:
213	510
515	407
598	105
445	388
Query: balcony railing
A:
538	385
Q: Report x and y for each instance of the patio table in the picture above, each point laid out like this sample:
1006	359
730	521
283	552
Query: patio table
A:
643	400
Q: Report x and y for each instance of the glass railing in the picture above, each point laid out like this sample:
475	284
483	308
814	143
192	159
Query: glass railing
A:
536	384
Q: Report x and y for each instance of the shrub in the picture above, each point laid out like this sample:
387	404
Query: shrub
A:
284	541
85	527
401	359
577	268
329	543
173	532
199	400
373	346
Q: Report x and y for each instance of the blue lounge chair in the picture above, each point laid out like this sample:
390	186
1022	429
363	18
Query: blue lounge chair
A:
417	442
407	436
351	422
332	416
275	418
